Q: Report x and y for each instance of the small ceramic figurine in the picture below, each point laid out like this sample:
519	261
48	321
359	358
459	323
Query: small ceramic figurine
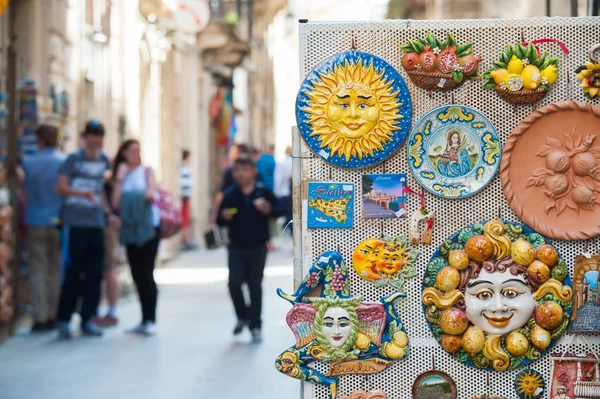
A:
425	216
522	75
529	384
354	110
355	337
385	260
433	64
589	75
497	295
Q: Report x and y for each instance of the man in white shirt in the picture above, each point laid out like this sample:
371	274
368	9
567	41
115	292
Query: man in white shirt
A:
283	186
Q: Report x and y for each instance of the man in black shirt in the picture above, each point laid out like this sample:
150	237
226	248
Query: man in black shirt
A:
245	209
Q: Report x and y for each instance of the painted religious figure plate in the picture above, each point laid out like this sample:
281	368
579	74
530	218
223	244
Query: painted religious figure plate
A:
354	336
497	295
454	151
551	170
354	110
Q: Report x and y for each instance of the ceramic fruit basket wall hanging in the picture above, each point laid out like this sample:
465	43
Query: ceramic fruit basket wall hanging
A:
589	75
433	64
521	75
356	337
496	295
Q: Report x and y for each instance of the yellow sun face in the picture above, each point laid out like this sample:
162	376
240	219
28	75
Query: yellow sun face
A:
528	383
353	110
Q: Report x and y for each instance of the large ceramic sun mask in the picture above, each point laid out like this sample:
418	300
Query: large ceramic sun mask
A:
496	295
499	303
354	110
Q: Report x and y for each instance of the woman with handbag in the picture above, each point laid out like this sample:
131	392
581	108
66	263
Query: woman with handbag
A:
133	195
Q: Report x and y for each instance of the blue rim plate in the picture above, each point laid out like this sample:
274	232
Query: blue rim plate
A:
453	151
377	112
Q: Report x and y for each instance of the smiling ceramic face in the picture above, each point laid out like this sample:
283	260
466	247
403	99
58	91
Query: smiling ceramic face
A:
353	111
499	303
391	260
364	259
336	326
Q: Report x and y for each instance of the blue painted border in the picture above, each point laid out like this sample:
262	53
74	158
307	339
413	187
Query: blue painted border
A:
398	85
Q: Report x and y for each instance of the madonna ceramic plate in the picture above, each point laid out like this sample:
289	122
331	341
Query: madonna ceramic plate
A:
454	151
497	296
551	170
354	110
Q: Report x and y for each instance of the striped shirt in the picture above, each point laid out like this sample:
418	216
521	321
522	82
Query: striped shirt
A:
185	179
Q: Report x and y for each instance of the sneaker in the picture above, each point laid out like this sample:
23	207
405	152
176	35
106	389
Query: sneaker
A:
106	321
146	328
64	332
239	327
256	336
139	329
39	327
91	330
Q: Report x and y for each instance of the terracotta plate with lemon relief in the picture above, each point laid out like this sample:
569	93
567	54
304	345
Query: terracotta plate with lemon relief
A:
550	170
354	110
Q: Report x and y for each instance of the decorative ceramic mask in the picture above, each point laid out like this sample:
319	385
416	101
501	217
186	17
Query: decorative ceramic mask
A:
453	151
355	337
586	304
497	295
434	384
435	65
366	395
551	170
354	110
575	376
529	384
589	75
522	75
385	261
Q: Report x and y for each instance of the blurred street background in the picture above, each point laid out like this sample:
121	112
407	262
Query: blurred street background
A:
198	84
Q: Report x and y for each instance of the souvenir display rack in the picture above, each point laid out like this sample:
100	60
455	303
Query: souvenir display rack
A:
320	40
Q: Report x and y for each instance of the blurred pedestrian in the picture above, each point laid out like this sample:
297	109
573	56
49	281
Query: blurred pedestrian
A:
42	218
111	261
266	167
246	208
185	180
81	181
133	194
283	187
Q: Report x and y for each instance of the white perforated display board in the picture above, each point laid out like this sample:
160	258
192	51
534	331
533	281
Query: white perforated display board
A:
383	39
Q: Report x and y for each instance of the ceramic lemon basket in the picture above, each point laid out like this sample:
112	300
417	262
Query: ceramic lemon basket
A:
522	75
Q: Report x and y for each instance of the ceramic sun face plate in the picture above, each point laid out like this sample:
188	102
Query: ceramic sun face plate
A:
354	110
454	151
496	295
551	170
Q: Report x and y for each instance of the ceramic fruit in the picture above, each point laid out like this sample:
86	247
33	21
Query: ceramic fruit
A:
447	279
522	252
508	306
549	315
521	75
433	64
400	339
516	344
479	248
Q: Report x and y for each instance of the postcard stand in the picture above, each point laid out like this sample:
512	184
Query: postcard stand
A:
321	40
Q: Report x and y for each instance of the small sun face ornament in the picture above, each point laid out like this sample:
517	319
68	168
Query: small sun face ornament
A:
589	75
356	337
385	260
354	110
496	295
529	384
